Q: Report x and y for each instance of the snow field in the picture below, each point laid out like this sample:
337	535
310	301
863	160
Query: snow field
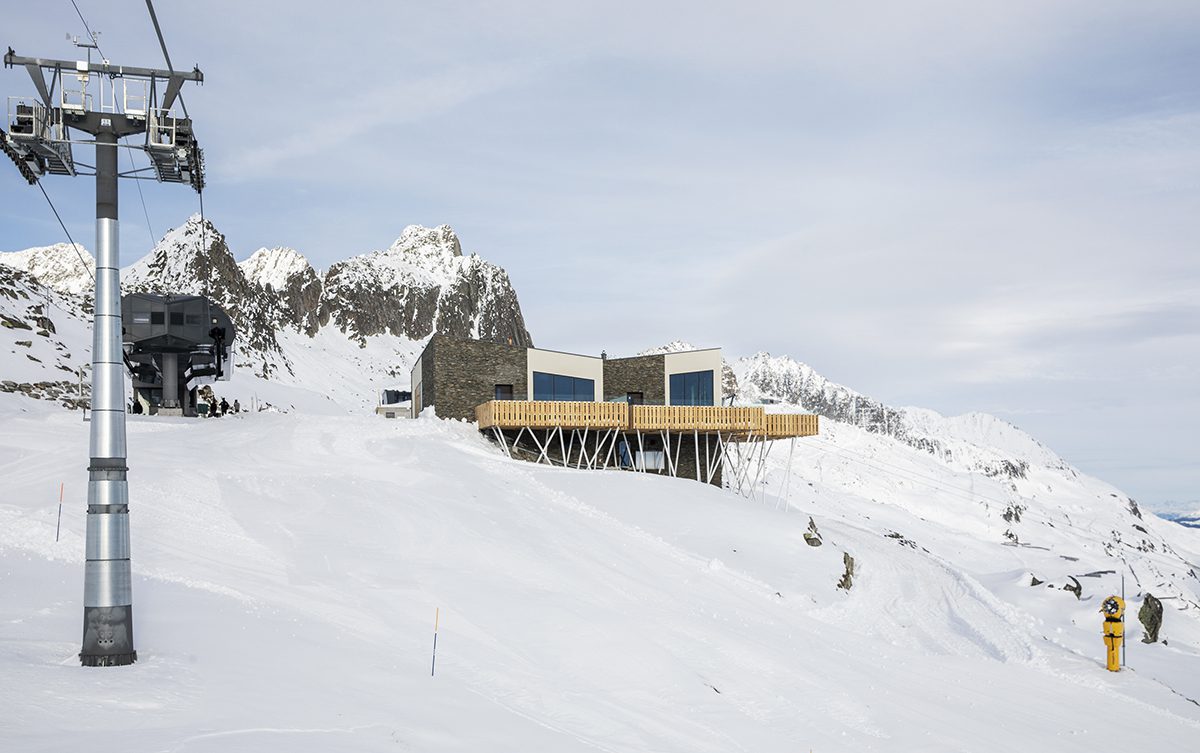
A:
288	567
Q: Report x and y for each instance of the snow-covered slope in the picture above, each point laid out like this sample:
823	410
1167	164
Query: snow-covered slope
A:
62	267
45	339
287	576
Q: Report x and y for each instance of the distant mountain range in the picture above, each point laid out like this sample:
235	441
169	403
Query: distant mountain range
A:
1188	519
385	302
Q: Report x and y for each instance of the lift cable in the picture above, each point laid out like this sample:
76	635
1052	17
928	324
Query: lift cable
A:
145	211
95	39
167	56
74	245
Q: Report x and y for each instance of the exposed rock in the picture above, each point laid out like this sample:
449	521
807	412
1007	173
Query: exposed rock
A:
847	581
1151	617
901	539
1012	513
419	285
285	275
12	322
812	536
1074	587
1035	581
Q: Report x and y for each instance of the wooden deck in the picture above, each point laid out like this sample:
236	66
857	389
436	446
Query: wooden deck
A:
783	425
701	418
547	414
738	422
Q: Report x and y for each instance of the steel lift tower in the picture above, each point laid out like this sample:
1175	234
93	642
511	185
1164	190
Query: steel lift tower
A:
106	102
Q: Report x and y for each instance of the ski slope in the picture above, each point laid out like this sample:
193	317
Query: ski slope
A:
288	568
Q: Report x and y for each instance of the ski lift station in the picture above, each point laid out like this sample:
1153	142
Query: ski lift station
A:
174	344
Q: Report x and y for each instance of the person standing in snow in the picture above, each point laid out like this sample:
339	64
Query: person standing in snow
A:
237	406
224	406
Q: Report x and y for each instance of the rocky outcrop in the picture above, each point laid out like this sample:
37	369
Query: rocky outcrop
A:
1151	617
847	581
422	284
812	536
292	286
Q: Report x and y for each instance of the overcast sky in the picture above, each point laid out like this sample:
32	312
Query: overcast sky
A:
962	206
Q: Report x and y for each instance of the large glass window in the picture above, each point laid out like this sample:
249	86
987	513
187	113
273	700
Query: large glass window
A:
692	388
559	387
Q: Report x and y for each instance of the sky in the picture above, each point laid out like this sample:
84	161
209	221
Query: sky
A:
988	206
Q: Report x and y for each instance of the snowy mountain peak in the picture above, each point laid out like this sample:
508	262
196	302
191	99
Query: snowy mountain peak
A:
675	346
184	261
274	266
437	242
58	266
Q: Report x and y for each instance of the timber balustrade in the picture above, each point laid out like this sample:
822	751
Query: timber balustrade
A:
782	425
703	418
550	414
739	422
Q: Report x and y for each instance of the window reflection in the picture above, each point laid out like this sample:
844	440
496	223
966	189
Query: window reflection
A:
560	387
692	388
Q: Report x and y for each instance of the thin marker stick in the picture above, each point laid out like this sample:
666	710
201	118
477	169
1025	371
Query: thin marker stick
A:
58	526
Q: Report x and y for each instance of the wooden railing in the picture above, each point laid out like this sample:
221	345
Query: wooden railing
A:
696	418
549	414
740	422
779	425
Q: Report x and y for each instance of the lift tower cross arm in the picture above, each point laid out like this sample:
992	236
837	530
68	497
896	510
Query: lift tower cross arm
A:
38	138
12	59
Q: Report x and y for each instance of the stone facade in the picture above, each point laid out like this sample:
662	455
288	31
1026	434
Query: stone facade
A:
642	374
457	375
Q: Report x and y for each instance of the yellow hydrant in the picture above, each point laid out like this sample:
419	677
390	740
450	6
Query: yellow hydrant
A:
1113	609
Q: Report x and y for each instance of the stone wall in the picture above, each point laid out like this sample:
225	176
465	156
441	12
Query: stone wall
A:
642	374
458	375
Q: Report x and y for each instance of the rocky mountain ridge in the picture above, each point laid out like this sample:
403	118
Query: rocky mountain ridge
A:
422	283
763	377
61	266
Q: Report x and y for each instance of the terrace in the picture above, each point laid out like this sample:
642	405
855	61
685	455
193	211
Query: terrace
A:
738	423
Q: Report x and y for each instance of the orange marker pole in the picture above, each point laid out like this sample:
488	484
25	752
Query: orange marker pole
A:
58	526
433	666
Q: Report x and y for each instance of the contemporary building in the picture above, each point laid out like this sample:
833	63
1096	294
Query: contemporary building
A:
658	413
